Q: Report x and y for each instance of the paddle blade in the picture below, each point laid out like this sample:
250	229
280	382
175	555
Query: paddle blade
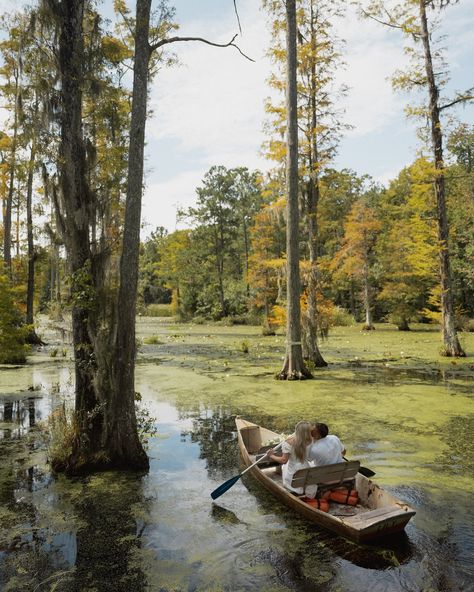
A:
366	472
224	487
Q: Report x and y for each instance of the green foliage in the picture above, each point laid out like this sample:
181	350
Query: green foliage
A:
244	346
158	310
82	290
152	340
341	318
469	326
152	288
146	423
12	334
407	249
205	268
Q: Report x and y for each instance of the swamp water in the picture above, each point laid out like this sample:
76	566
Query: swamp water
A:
407	418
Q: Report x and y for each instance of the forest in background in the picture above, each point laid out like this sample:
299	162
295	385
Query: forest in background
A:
376	247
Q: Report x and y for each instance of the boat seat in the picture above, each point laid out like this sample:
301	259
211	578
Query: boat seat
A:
327	476
366	519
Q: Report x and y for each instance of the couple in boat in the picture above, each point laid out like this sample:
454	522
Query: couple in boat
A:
310	446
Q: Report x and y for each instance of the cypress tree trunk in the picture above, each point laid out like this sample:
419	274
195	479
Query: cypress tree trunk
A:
29	231
122	442
452	346
311	330
8	206
32	337
105	422
311	340
293	366
74	211
368	326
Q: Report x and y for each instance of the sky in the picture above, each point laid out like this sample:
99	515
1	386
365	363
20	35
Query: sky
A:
209	110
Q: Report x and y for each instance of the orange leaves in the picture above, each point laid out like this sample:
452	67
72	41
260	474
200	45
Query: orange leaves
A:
361	230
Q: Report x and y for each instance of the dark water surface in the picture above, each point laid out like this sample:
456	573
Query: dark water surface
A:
162	532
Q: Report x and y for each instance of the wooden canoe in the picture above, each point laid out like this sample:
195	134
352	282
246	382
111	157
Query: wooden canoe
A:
376	515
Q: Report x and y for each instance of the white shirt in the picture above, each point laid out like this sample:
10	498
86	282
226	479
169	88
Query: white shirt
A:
290	468
326	451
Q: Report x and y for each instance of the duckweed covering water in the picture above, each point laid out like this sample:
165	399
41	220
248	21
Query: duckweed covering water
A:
403	410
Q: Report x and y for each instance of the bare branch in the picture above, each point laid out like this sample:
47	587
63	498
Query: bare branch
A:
390	23
374	18
175	39
237	15
459	99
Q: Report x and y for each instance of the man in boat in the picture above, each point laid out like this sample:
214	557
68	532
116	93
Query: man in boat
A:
326	448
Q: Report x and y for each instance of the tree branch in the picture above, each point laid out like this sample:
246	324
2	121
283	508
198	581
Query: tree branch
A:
237	15
458	99
390	23
128	22
175	39
380	21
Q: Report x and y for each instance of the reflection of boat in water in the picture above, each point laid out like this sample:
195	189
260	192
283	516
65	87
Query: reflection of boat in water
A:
376	515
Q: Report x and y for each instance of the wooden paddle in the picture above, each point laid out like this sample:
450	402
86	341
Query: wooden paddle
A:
364	470
228	484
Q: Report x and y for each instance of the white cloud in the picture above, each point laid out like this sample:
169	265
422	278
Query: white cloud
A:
213	103
372	54
161	200
210	110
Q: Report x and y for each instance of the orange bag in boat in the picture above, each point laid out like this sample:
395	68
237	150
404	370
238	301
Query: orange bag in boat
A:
327	494
320	504
340	496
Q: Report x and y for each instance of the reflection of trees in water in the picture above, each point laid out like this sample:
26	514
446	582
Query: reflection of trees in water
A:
30	556
95	549
213	428
21	413
214	431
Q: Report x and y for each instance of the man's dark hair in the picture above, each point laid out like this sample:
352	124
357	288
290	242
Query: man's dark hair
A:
322	429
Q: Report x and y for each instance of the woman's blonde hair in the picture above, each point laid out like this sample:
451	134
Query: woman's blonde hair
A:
302	439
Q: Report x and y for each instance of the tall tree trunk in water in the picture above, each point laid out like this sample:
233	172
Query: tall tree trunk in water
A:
452	346
246	248
311	330
368	326
311	340
30	293
75	197
123	443
29	231
8	205
293	366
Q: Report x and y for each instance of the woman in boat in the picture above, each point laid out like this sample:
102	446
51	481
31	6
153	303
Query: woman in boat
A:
326	448
295	456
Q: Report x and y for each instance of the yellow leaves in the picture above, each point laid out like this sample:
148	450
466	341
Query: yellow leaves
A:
176	247
120	7
275	264
278	316
410	26
433	311
276	150
361	230
115	51
5	142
